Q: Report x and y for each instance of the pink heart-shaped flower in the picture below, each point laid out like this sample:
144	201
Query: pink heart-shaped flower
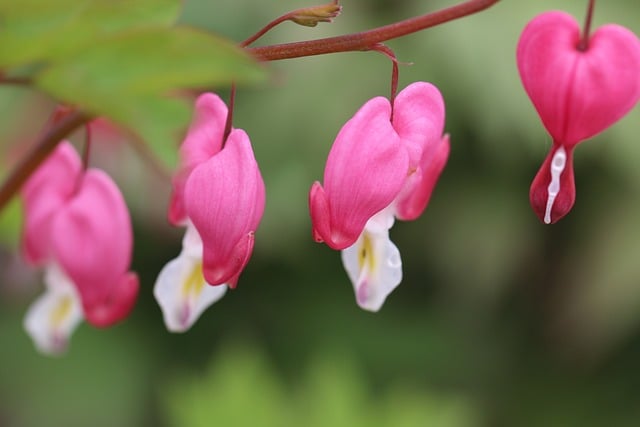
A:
578	93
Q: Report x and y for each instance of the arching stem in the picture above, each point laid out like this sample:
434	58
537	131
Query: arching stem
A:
367	39
229	122
87	145
386	51
583	45
38	153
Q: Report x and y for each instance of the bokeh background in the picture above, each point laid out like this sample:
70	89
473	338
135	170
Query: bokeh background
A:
499	321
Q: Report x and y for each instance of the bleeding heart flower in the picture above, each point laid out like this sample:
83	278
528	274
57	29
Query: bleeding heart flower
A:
381	166
78	227
219	195
577	92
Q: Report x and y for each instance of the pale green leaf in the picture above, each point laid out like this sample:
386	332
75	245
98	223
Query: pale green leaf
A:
10	223
40	30
131	77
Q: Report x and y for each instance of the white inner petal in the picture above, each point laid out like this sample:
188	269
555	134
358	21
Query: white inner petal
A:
374	267
191	242
181	290
53	317
558	163
382	221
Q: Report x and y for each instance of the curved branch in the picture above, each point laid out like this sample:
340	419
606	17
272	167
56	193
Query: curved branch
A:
367	39
38	154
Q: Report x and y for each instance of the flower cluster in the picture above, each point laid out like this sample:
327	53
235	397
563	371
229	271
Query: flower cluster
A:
383	166
78	229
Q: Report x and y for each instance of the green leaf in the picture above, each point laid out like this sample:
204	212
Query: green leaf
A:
10	224
239	389
129	77
40	30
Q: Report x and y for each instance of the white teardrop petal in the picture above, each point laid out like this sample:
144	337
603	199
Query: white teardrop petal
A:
53	317
374	267
182	292
191	242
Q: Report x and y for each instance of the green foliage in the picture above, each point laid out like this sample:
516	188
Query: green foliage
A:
10	220
241	389
238	389
40	30
120	59
527	325
127	78
94	384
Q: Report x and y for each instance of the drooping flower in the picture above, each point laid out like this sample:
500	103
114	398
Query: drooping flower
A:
578	93
78	228
219	195
383	165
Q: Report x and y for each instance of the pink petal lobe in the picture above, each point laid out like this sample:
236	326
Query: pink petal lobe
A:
418	118
225	198
607	82
416	193
117	305
217	273
320	212
578	93
558	177
44	193
203	141
92	241
365	170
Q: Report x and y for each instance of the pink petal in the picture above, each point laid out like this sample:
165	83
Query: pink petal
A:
374	267
417	190
203	141
44	193
225	198
578	94
320	212
92	241
539	195
366	168
418	118
117	305
52	318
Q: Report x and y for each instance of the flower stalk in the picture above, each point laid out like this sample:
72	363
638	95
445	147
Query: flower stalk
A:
586	31
361	41
41	150
366	40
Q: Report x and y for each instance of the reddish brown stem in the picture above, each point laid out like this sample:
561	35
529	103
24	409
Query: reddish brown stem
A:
367	39
20	81
264	30
229	122
308	16
87	145
38	153
583	45
386	51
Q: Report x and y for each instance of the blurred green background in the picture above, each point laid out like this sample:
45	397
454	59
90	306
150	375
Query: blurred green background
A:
499	321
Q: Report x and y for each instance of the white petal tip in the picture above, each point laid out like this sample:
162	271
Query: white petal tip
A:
374	267
54	316
182	293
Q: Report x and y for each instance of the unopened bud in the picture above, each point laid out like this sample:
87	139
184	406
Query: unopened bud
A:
309	17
